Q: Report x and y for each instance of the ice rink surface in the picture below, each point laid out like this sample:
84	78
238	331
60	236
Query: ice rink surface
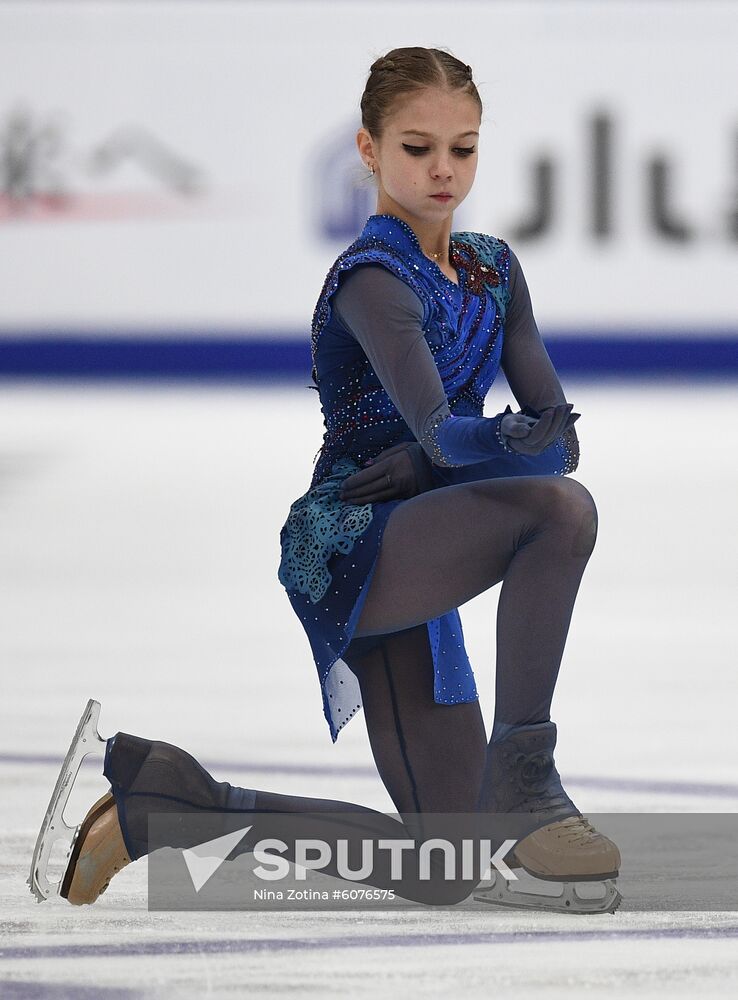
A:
139	545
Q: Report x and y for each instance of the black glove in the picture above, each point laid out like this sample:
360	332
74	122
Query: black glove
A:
550	423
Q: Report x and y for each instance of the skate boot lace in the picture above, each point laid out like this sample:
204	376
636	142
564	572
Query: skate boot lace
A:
576	828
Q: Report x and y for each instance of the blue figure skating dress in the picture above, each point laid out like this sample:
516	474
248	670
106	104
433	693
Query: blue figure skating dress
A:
329	547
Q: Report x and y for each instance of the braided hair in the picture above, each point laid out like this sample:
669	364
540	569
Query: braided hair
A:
409	69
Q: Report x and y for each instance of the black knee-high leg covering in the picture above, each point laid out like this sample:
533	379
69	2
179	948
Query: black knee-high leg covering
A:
150	776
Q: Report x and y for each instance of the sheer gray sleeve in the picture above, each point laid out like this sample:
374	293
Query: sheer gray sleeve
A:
525	361
385	316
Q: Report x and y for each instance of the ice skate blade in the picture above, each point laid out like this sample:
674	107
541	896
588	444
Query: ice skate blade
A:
86	740
507	894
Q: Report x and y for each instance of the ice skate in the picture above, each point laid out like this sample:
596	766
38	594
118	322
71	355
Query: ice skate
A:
95	849
563	864
97	854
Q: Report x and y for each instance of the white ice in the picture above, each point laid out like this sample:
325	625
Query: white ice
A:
139	544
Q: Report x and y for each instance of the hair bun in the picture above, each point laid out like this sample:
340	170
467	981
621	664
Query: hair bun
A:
381	64
468	71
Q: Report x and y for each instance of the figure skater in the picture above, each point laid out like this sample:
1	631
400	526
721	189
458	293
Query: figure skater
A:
417	504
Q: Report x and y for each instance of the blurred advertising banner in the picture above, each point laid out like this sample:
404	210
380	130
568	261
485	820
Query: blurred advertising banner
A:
180	177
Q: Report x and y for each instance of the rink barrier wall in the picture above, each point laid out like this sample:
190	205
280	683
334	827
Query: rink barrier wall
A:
193	356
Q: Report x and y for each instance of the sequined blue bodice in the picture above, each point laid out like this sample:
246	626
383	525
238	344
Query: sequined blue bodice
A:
462	325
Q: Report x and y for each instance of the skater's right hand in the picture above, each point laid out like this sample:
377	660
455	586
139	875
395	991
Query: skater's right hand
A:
530	433
371	484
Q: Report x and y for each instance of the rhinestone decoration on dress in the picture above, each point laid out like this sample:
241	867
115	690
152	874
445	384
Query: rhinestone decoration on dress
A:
330	547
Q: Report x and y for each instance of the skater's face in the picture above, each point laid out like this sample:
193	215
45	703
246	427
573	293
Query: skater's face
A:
411	167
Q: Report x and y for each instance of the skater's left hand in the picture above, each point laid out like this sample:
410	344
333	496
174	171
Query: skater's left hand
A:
370	485
547	425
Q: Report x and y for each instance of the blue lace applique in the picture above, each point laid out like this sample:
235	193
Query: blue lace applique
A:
494	253
318	525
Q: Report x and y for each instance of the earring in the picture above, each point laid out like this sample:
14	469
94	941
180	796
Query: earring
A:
372	169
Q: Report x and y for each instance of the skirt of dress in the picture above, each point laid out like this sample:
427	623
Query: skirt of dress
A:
329	552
